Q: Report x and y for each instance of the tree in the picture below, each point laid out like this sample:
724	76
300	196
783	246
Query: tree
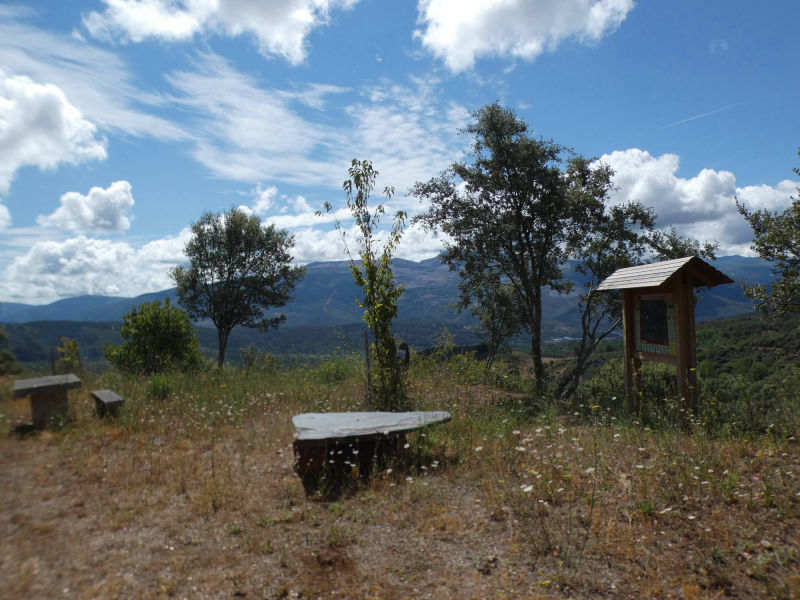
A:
616	238
238	269
494	303
621	236
513	215
8	362
374	275
777	240
158	338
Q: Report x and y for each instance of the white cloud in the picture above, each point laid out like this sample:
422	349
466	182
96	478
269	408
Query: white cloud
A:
280	26
101	210
40	127
5	217
50	270
322	244
264	199
97	82
250	133
702	206
460	31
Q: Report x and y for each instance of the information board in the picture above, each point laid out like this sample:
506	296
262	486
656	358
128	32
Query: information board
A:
655	325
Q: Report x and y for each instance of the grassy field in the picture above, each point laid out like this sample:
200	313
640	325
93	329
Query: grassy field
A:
191	494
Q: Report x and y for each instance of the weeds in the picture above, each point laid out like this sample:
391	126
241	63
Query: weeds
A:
504	496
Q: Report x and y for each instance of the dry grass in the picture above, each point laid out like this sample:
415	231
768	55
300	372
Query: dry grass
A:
194	496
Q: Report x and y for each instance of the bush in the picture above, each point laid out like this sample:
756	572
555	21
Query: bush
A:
159	387
338	369
253	360
159	338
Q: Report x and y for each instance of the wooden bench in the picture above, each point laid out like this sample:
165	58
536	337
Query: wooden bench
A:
48	396
328	447
107	403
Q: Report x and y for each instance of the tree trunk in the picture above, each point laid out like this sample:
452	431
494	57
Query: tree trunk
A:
222	336
536	341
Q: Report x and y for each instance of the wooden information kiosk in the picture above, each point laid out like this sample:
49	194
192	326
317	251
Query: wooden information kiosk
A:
658	319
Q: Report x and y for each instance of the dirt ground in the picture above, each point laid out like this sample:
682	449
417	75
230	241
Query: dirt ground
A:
98	511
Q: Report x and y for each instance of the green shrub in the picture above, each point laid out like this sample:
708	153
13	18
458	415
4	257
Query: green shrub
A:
158	338
338	369
253	360
159	387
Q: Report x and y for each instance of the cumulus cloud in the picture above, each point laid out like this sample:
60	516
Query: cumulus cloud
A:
40	127
323	244
96	81
702	206
100	211
50	270
460	31
280	26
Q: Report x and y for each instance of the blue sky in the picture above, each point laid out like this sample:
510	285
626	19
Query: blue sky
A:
122	121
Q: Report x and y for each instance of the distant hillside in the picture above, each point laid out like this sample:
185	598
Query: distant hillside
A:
324	314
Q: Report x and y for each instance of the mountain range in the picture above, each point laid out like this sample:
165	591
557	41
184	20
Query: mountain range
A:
325	308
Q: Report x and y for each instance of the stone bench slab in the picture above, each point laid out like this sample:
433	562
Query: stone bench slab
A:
107	402
49	403
24	387
322	426
330	447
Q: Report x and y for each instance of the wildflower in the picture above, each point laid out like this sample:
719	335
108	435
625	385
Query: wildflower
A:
527	488
478	448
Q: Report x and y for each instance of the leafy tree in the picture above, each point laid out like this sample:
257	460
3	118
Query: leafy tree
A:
158	338
494	304
8	362
669	244
617	238
69	357
374	275
237	270
513	216
621	236
777	240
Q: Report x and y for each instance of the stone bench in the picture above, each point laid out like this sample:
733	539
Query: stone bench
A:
328	447
107	403
48	396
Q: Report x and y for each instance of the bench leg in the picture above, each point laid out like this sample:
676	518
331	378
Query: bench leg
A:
47	406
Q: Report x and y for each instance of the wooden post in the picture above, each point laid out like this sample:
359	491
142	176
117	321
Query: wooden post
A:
629	334
686	355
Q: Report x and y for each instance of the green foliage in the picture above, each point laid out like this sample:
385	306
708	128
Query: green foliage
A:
338	368
616	237
374	275
253	360
159	387
237	271
8	362
748	377
516	214
158	338
69	360
777	240
494	304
